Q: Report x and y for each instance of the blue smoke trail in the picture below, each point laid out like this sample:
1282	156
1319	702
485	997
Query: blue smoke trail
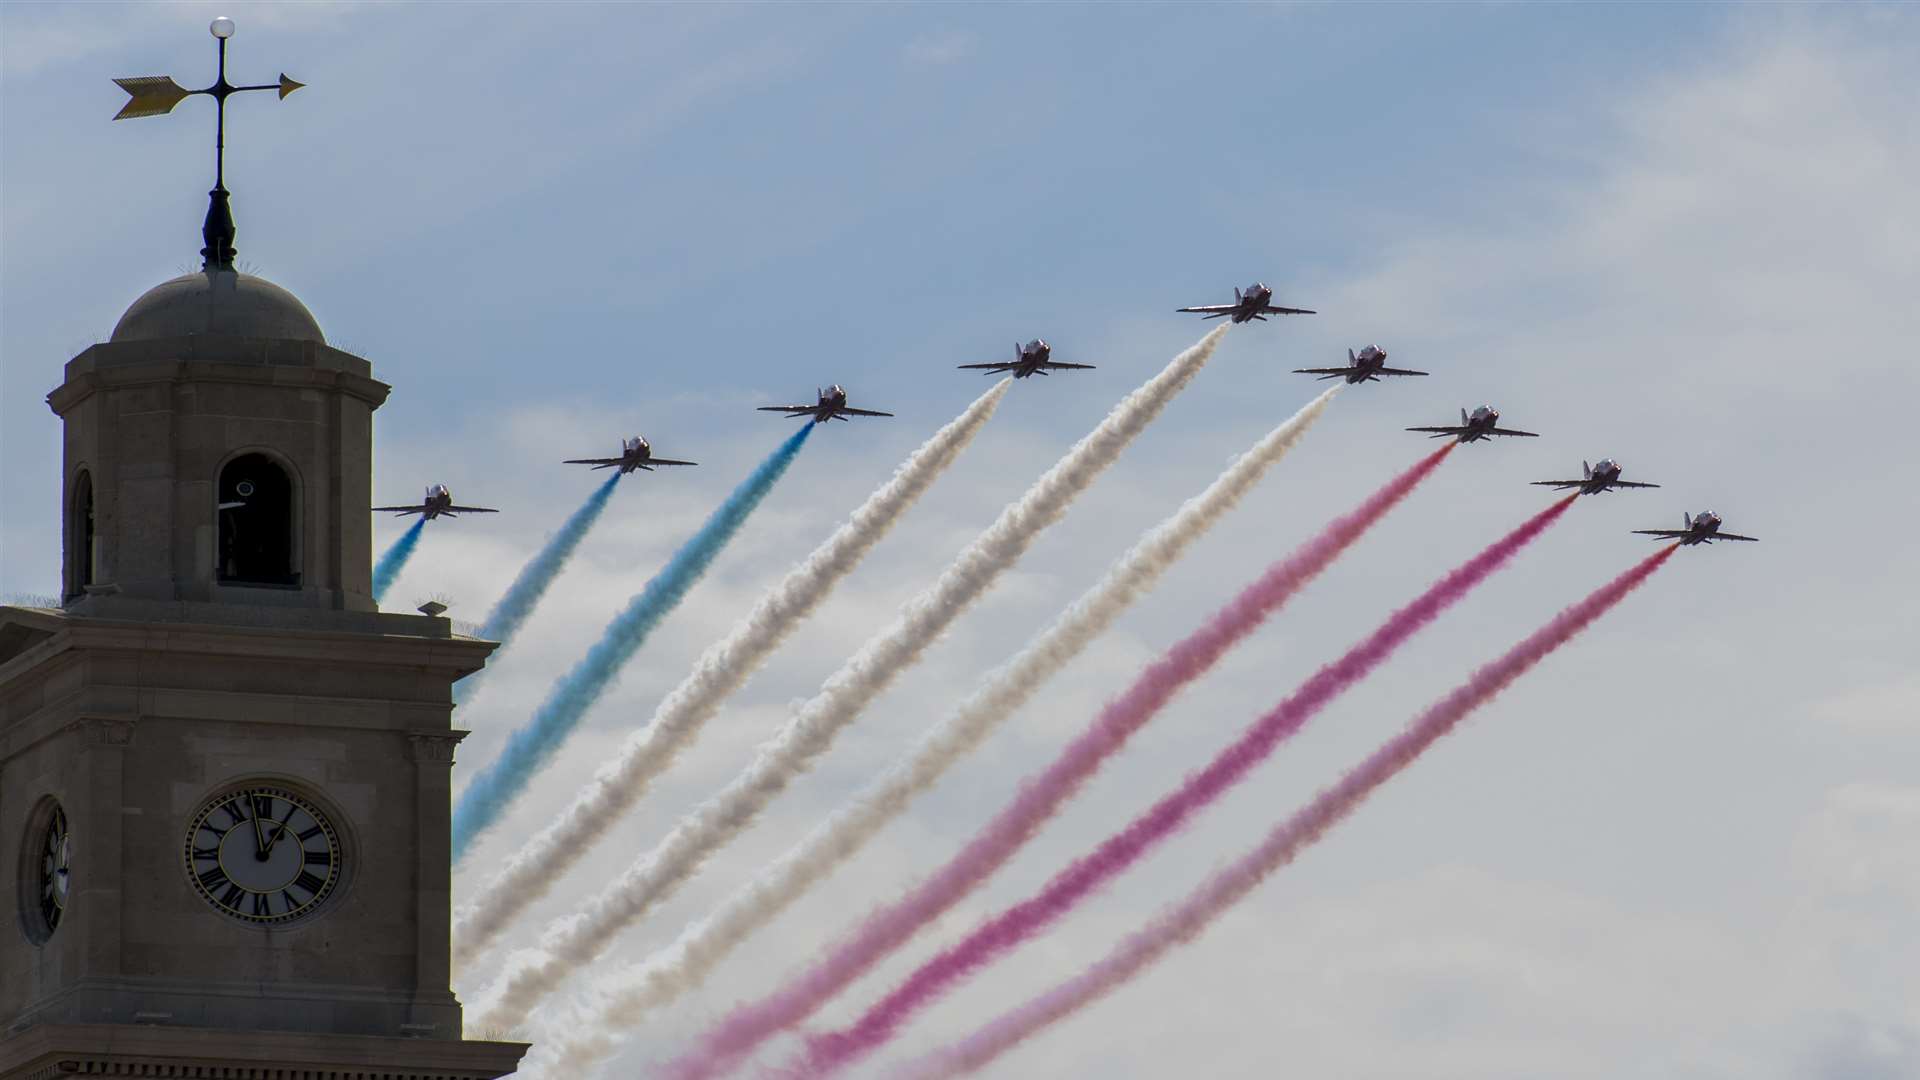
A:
528	748
527	589
395	558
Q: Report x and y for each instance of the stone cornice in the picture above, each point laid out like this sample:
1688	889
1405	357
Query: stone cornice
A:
58	1051
241	640
195	360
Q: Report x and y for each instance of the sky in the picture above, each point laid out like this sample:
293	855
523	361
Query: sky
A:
1684	236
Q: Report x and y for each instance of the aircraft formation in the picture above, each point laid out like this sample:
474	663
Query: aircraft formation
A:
1254	303
656	875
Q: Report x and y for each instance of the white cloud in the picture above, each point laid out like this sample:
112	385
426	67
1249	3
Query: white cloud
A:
939	48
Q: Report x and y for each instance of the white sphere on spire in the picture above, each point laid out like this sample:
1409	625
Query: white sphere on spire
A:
221	27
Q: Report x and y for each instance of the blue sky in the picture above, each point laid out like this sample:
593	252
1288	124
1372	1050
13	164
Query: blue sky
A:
1680	235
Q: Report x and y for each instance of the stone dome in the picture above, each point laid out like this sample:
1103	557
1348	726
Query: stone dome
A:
218	303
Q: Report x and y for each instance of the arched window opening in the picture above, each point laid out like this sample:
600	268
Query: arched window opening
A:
256	523
80	536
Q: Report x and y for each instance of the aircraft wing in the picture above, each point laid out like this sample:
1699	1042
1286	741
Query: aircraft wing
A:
1631	484
1557	485
1212	311
1396	371
1057	366
1668	534
1510	431
1271	310
402	509
668	461
1324	372
1439	431
794	410
468	510
596	462
986	367
864	412
1733	536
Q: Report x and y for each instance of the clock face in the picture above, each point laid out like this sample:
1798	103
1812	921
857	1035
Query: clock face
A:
56	860
263	855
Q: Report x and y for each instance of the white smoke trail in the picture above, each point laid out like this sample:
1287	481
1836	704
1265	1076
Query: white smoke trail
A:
686	963
531	872
575	941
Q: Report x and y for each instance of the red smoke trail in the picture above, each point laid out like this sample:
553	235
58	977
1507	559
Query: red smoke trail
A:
1185	922
833	1051
885	929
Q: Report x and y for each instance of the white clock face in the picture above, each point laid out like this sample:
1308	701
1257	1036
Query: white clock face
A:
263	855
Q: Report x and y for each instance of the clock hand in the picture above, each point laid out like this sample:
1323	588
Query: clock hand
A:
260	845
279	828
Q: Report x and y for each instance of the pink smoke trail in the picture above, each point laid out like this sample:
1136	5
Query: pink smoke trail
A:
1186	921
886	928
833	1051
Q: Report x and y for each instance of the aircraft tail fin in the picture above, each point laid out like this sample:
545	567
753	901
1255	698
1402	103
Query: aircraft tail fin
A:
1463	418
1236	294
1687	516
1352	359
1586	470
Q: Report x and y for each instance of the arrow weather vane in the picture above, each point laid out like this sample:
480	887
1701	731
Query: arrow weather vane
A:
156	95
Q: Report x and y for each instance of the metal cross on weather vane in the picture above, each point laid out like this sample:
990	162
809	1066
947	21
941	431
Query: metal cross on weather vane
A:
156	95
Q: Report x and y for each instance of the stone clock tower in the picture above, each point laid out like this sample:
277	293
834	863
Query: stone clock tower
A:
224	773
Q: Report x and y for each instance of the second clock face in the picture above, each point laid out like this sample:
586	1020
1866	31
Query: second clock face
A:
56	858
263	854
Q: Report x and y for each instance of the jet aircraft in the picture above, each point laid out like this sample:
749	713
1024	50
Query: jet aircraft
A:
831	406
1702	528
635	453
1367	367
1255	303
1033	358
1484	422
1597	478
439	501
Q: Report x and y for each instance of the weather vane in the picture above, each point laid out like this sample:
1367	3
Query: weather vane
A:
156	95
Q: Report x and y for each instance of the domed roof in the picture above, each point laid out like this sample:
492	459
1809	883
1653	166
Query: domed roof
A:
222	303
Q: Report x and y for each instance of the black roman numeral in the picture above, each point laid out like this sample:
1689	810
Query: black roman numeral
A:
287	899
231	898
262	904
234	813
207	852
307	881
213	879
319	858
310	834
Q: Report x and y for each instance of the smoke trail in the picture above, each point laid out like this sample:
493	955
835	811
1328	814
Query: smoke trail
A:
527	589
705	943
394	559
1042	796
528	748
1185	922
574	942
1003	932
719	672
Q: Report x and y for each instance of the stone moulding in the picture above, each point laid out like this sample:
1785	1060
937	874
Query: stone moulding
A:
55	1052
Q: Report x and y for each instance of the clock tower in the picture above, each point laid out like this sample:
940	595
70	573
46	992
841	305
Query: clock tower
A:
224	773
